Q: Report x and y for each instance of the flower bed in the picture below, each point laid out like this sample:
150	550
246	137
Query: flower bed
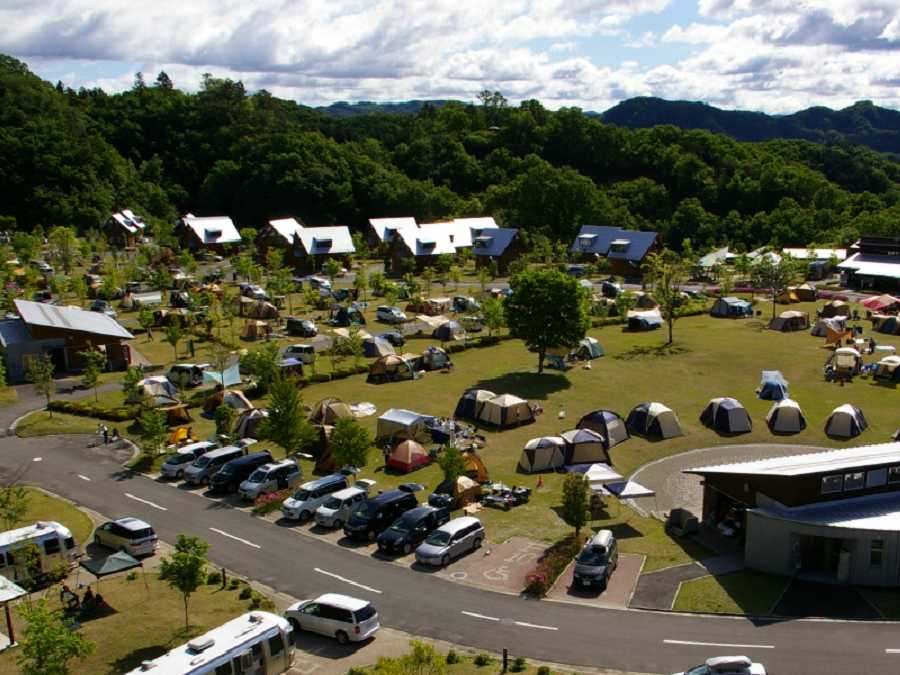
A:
550	565
270	501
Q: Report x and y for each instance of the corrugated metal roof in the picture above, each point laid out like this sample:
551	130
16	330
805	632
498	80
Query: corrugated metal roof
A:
70	318
873	265
434	242
817	253
323	240
494	242
872	512
213	229
810	463
286	228
599	238
383	226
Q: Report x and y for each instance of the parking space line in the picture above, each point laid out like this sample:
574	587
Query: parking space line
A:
534	625
892	651
481	616
347	581
83	477
716	644
144	501
231	536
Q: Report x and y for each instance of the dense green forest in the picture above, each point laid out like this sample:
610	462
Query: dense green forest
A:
72	157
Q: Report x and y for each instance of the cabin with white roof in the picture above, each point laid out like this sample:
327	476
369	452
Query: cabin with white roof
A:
306	248
124	229
213	233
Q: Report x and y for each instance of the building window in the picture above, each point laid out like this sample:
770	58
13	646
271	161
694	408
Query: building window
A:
276	645
855	480
876	477
876	552
894	474
832	484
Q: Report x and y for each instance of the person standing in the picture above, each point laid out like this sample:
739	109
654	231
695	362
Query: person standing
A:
104	430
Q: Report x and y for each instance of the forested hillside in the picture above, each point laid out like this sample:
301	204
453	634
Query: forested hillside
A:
72	157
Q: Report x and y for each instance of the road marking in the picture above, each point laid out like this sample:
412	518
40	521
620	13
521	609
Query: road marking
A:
347	581
231	536
892	651
534	625
83	477
481	616
37	459
144	501
716	644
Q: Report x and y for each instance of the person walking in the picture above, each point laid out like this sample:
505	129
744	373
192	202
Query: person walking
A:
104	430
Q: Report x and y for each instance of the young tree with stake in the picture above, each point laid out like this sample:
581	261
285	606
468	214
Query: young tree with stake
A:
185	569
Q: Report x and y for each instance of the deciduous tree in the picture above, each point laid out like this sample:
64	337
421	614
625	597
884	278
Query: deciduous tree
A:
49	642
665	274
185	569
350	443
575	502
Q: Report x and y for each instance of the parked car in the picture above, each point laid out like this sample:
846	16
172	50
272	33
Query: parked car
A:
303	353
376	514
270	477
201	469
610	289
178	461
310	496
102	307
472	324
463	303
314	281
577	270
235	472
187	374
301	327
335	511
253	291
44	268
394	337
726	665
339	616
597	561
411	529
459	536
389	314
134	536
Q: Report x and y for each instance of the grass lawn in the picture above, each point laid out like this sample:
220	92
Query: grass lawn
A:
8	396
40	423
42	506
147	622
743	592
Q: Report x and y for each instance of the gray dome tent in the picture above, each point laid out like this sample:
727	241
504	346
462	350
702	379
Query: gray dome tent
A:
377	347
449	331
543	454
608	424
653	420
726	415
470	403
731	308
585	446
845	421
786	417
249	421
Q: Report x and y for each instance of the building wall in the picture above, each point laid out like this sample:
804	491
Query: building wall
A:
16	356
512	252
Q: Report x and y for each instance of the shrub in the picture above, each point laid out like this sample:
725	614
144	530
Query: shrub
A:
246	593
131	576
214	578
234	583
543	670
550	565
269	502
482	660
89	409
518	665
320	377
452	657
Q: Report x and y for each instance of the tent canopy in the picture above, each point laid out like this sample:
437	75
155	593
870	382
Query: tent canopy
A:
111	564
773	386
608	424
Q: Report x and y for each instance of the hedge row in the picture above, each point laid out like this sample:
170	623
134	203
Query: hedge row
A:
550	565
87	409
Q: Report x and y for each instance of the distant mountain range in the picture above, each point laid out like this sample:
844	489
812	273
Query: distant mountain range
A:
863	123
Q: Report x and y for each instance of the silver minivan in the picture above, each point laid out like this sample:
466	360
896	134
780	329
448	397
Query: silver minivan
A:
269	478
345	618
335	510
181	459
303	503
202	468
449	541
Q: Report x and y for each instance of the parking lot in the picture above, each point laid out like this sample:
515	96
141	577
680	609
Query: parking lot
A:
617	594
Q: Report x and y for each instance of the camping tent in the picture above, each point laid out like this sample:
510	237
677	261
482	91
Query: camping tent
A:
731	308
436	306
505	411
434	358
726	415
645	300
448	331
805	292
257	309
255	330
653	420
474	467
773	386
470	403
837	324
399	424
230	397
890	325
836	308
391	368
608	424
845	421
464	491
786	417
790	320
888	369
786	297
588	349
159	389
345	316
881	303
376	347
647	320
328	411
249	421
585	446
847	360
543	454
407	456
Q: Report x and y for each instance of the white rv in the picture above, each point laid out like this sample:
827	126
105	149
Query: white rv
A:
53	542
256	642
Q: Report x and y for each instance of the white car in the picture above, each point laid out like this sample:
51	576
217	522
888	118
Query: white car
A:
132	535
389	314
271	477
335	511
342	617
726	665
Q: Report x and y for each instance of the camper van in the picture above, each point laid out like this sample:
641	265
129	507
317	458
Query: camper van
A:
256	642
54	544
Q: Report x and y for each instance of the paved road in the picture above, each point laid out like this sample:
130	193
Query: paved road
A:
423	604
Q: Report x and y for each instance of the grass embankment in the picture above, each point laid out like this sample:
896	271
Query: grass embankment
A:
42	506
146	622
42	423
8	396
743	592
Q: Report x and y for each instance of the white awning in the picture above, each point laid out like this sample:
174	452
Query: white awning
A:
629	490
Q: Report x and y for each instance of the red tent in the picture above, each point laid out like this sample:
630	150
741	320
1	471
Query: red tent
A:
880	302
408	456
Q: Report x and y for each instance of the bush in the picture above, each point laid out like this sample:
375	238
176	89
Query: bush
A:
131	576
482	660
246	593
543	670
88	409
234	583
214	578
452	657
320	377
269	502
518	665
550	565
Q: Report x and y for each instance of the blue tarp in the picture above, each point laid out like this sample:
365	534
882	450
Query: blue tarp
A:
773	386
228	377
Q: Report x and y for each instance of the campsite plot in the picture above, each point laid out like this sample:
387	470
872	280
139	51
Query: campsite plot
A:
500	567
618	593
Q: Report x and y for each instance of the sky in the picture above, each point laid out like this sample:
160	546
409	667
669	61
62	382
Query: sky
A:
775	56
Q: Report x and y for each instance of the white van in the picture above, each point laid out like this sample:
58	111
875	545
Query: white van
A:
339	616
335	510
303	503
54	543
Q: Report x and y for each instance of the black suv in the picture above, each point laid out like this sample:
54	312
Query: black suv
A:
410	529
375	515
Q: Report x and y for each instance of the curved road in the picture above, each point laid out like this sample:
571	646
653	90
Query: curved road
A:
424	604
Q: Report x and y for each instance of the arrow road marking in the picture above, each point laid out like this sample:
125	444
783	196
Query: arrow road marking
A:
716	644
83	477
481	616
231	536
144	501
347	581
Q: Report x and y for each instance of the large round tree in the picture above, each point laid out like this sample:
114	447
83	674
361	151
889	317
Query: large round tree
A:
547	309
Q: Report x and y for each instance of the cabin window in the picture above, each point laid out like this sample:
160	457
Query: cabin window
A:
876	552
854	481
894	474
51	546
276	645
876	477
832	484
257	651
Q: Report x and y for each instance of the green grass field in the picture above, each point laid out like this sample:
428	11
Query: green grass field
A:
42	506
42	423
743	592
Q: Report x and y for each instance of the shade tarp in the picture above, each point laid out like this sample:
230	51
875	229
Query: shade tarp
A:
602	474
9	590
111	564
628	490
228	377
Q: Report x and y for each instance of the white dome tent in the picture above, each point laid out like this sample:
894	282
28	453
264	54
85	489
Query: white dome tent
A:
845	421
786	417
546	453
